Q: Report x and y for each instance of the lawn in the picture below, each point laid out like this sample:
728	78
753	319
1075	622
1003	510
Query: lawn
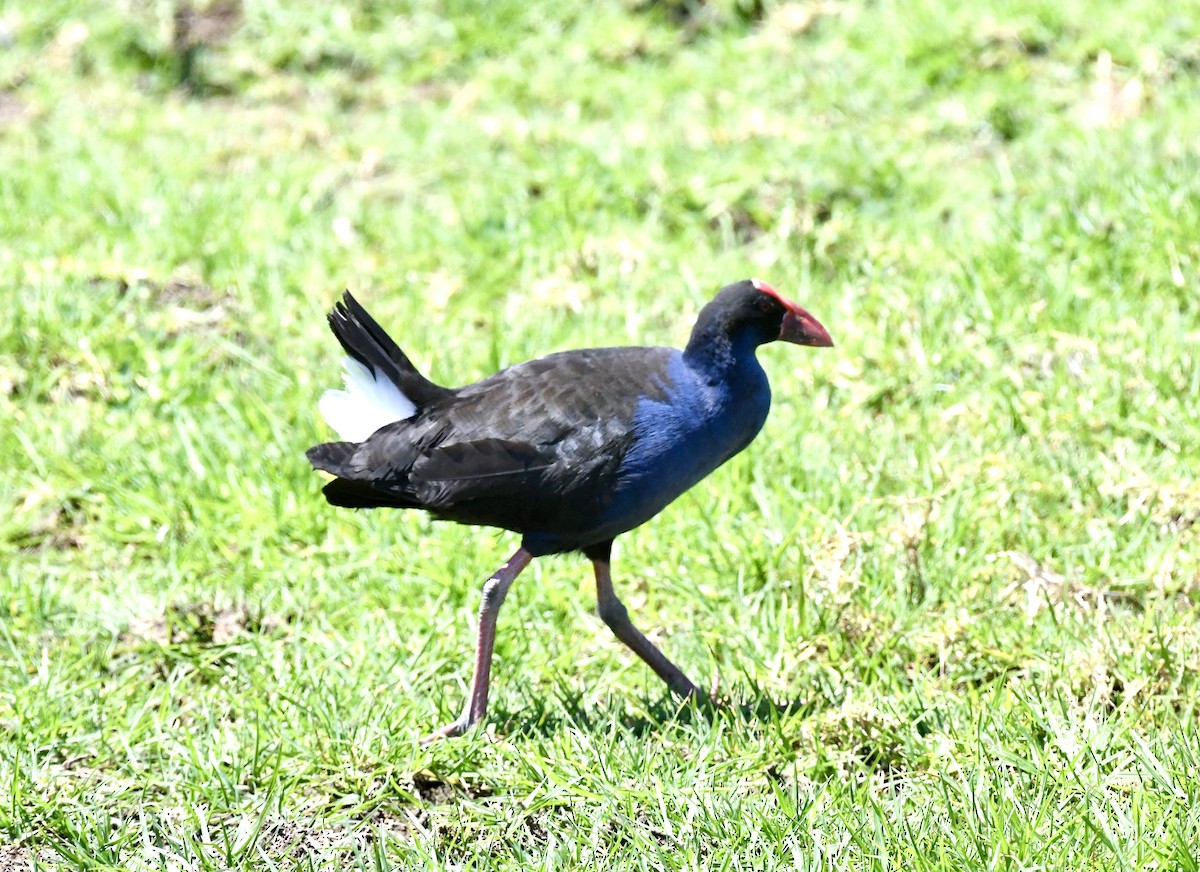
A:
949	597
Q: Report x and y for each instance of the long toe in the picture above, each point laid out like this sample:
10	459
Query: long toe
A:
455	728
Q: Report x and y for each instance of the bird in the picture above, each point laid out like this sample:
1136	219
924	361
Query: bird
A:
569	450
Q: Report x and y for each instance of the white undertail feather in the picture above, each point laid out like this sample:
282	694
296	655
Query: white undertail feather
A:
368	403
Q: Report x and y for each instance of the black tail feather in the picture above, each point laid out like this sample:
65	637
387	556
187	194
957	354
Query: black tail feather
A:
364	340
350	494
332	457
336	458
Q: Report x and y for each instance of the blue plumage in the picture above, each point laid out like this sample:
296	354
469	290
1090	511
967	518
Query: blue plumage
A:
678	441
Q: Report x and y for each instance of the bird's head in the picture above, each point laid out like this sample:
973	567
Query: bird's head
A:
753	311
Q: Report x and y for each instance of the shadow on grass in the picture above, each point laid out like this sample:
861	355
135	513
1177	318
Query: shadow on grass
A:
539	718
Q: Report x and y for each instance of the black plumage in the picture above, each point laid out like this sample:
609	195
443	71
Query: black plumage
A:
570	450
533	448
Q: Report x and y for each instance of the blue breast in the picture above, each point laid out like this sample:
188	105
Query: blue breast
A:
703	422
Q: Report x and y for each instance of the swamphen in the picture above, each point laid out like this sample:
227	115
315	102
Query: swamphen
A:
569	450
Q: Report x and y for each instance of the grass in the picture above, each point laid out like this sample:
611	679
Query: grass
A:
951	592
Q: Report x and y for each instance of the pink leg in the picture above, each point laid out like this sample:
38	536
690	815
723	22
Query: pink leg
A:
613	612
494	591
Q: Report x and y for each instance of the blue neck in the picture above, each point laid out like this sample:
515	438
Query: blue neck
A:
718	355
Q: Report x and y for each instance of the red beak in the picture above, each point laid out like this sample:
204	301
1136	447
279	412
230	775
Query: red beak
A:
801	328
798	326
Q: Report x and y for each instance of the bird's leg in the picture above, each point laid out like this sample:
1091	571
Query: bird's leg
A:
613	612
494	591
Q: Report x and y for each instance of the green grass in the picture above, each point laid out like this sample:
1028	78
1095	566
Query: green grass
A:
951	592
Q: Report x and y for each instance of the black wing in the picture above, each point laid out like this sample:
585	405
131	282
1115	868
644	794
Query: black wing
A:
534	447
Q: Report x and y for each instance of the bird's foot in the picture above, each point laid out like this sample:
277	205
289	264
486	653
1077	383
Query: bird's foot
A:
706	700
455	728
681	685
715	697
714	700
